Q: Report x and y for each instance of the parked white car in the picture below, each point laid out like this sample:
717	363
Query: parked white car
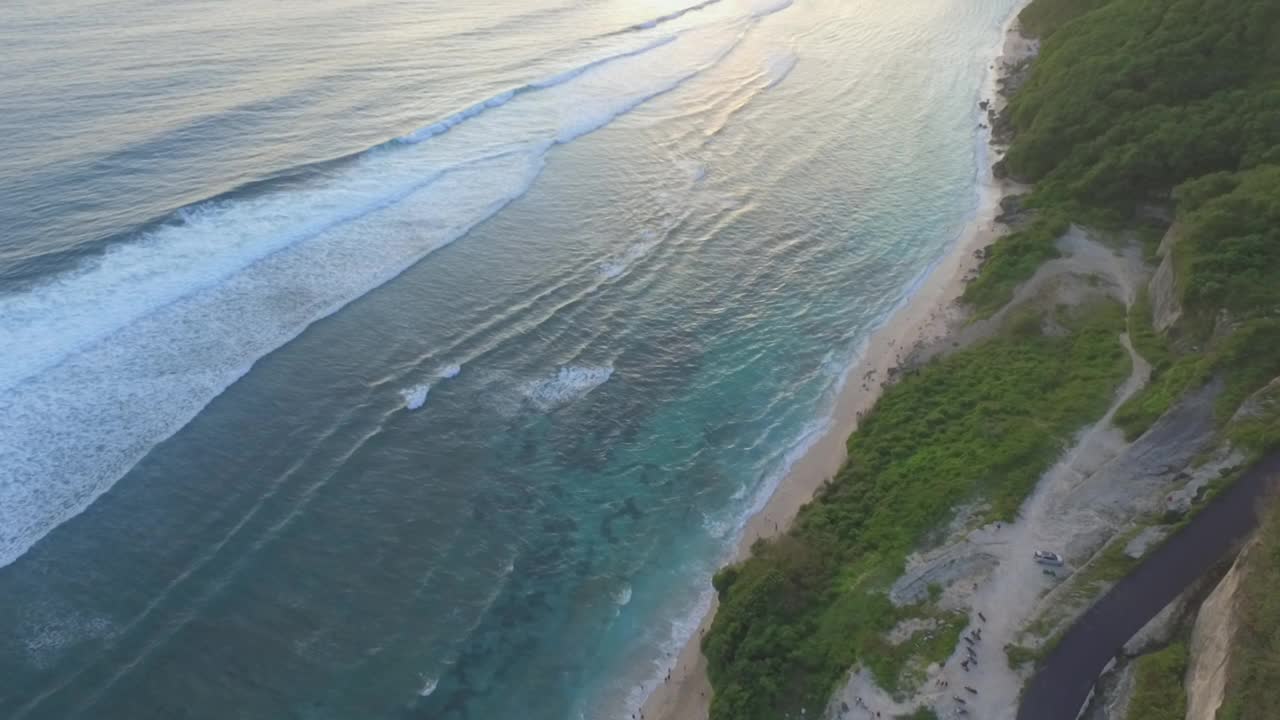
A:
1044	557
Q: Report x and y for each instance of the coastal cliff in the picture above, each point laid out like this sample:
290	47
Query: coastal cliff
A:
1165	306
1094	392
1215	625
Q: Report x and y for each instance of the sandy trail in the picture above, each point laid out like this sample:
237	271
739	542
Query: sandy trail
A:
1010	598
992	566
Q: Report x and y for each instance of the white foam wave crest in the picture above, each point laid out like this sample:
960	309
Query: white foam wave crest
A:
415	396
680	631
778	67
568	384
429	684
53	632
614	268
502	98
449	371
674	15
623	596
717	528
769	7
104	361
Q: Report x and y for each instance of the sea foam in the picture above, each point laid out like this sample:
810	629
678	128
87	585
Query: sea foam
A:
565	386
416	396
104	361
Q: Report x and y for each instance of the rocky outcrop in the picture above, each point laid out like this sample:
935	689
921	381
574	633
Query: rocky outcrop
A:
1165	306
1112	693
1211	645
1260	404
1161	629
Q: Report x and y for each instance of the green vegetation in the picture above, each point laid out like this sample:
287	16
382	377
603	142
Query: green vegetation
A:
1019	655
1042	18
984	422
1142	101
1013	260
1148	404
1230	244
1132	102
1106	567
1246	359
1253	665
1259	433
1150	344
901	666
1158	693
1135	97
1130	99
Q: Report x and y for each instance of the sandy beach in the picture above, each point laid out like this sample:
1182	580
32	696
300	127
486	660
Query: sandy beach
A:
926	319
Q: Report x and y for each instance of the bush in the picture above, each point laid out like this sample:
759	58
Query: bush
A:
983	422
1158	693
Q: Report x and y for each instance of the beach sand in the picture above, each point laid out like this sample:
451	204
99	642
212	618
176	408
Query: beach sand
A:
926	320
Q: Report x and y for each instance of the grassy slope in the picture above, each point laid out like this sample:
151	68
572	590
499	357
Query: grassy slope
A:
982	423
1158	693
1129	100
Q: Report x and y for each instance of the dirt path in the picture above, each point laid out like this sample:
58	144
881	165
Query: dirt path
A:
1062	685
991	570
1011	596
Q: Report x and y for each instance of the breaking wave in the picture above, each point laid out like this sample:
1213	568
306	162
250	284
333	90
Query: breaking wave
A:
568	384
416	396
104	361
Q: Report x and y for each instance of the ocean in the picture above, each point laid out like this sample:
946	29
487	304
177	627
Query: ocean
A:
422	359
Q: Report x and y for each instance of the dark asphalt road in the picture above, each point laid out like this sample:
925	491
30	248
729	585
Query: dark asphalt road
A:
1061	685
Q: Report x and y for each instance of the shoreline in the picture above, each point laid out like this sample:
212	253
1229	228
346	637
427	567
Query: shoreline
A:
925	318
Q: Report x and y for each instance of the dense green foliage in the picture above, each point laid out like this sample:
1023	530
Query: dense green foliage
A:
1012	260
983	422
1131	102
1229	246
1042	18
1253	666
1158	693
1228	260
1130	99
1260	433
1137	96
1134	101
1150	344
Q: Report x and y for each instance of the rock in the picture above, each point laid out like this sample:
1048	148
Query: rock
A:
945	567
1012	211
984	104
1210	645
1259	403
1111	695
1159	630
1166	308
905	629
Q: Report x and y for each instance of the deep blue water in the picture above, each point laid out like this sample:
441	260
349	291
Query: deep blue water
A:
377	358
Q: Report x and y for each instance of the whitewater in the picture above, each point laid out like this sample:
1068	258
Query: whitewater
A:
158	326
425	359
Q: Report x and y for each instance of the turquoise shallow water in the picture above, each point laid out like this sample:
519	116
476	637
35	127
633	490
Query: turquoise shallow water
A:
399	359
